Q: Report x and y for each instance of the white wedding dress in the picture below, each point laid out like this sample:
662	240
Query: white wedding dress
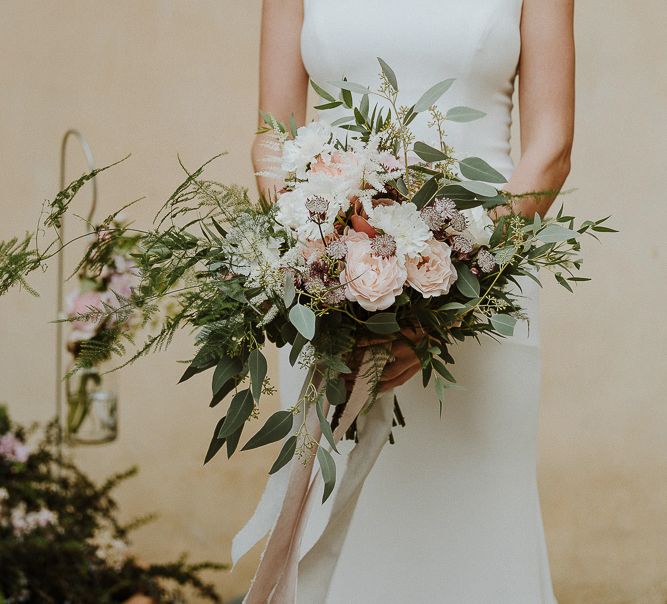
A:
450	514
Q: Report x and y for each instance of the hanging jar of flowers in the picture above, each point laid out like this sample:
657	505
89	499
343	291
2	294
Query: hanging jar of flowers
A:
97	310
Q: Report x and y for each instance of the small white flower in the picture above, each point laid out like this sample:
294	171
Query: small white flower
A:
405	225
310	141
480	226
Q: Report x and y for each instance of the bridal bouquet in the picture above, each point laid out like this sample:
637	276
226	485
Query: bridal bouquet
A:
373	236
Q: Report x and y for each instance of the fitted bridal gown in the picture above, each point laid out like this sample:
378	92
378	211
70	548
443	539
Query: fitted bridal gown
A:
450	514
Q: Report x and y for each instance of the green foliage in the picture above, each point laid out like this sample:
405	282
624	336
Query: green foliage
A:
80	555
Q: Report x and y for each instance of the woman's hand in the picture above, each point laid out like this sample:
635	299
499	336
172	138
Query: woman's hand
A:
405	362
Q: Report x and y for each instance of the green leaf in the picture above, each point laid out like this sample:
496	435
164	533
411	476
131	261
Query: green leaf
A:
553	233
324	424
351	86
466	282
233	441
326	106
258	368
322	93
328	468
239	411
503	324
289	290
442	370
226	369
389	74
303	318
475	168
292	128
285	455
453	306
498	232
197	367
276	427
464	114
342	120
363	107
383	323
297	347
563	282
216	442
426	193
336	391
432	95
479	188
429	154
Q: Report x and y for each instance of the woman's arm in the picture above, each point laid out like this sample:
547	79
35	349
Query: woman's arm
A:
546	102
283	81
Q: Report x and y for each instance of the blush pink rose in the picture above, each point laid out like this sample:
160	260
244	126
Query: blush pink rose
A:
432	273
330	168
372	281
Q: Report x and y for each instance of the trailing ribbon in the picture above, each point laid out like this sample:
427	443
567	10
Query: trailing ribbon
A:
277	575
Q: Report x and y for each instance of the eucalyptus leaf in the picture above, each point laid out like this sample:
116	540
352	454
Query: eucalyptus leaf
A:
226	369
328	468
233	441
285	456
439	366
452	306
297	347
464	114
479	188
426	193
239	411
389	74
431	96
475	168
289	290
429	154
325	426
257	367
503	324
466	282
351	86
383	323
216	442
336	391
303	318
553	233
278	426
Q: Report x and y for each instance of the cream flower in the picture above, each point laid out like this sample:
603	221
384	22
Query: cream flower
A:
404	223
310	141
372	281
480	226
432	274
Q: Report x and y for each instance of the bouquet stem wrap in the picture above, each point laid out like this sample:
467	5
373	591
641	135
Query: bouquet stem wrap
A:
280	571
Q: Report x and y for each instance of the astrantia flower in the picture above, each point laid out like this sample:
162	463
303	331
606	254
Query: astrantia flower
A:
480	226
317	207
291	212
432	218
310	141
432	274
383	245
336	249
486	261
445	207
405	225
458	222
461	244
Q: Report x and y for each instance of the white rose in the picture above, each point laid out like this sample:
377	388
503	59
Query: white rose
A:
480	226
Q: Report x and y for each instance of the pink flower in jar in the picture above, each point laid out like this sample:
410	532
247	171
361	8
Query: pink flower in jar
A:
81	303
13	449
432	272
371	280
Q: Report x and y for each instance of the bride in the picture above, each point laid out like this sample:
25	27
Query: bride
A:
450	514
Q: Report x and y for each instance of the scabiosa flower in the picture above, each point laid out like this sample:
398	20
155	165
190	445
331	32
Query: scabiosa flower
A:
458	222
383	245
317	207
445	207
336	249
461	244
486	260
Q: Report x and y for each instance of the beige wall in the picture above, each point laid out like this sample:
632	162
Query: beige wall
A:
161	78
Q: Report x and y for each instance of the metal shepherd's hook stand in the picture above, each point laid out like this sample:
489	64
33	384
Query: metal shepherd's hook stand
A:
61	269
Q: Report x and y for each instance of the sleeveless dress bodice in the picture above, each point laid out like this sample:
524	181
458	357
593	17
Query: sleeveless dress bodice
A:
450	514
476	42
